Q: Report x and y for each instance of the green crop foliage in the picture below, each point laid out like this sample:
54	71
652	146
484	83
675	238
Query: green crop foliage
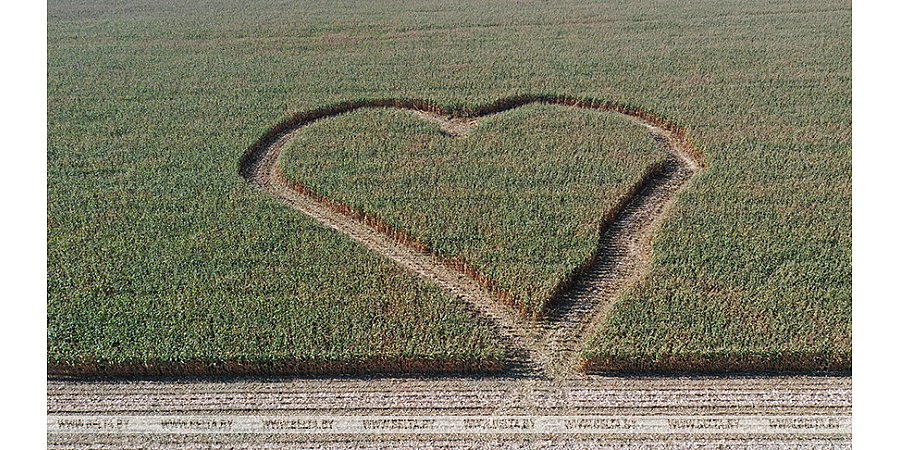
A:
522	198
159	251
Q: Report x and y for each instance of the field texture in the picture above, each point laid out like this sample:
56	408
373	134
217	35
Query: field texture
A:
159	252
522	198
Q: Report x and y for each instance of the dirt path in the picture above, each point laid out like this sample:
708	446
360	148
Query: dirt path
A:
454	395
544	347
804	405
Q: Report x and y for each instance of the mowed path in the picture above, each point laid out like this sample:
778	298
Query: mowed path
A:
547	346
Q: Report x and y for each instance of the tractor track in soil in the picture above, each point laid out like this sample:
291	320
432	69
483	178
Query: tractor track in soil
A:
792	397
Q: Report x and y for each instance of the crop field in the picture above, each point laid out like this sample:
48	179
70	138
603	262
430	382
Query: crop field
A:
521	198
163	259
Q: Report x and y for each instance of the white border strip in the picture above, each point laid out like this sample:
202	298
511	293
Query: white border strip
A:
457	424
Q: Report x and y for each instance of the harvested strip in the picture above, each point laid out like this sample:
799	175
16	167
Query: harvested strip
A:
592	395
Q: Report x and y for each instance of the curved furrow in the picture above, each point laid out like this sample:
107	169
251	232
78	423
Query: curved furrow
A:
624	257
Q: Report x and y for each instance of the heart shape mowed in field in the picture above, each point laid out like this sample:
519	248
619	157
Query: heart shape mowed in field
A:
520	197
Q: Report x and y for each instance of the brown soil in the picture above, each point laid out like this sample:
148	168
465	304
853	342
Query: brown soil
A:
596	396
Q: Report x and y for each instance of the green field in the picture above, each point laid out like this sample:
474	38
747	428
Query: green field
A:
160	253
521	199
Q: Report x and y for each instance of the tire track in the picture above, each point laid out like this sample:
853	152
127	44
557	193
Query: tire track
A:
547	346
421	396
601	443
801	396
